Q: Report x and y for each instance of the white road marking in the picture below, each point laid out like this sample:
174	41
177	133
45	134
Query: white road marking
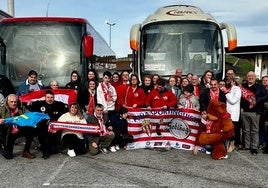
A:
52	177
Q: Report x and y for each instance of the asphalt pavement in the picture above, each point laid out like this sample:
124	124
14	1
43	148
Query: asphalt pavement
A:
135	168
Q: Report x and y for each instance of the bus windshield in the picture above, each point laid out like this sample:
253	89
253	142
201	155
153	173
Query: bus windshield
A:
193	46
50	48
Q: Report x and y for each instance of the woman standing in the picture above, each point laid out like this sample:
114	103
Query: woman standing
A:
115	79
184	83
74	140
147	84
90	97
135	96
92	75
155	77
233	98
206	78
172	86
76	84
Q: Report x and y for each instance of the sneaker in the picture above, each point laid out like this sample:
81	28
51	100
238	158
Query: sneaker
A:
224	157
208	152
254	151
71	153
112	149
117	147
104	150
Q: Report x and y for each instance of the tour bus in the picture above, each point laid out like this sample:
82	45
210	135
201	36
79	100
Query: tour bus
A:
180	36
52	46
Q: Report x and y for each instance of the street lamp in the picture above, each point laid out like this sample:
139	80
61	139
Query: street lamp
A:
110	25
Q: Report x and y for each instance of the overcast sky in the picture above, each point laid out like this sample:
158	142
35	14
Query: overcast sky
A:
249	17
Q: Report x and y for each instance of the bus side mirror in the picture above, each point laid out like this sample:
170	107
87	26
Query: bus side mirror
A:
88	46
134	37
231	35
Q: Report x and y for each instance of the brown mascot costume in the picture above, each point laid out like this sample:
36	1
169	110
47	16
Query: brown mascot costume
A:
221	129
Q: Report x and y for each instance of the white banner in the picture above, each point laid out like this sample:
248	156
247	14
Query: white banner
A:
156	128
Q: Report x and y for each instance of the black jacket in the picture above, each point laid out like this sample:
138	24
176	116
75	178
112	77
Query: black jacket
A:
261	97
205	99
54	110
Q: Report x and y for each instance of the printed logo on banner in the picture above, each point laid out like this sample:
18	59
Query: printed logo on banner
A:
146	126
148	145
177	145
168	144
158	144
186	146
179	128
131	146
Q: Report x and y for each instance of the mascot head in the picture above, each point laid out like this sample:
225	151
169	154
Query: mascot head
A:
216	110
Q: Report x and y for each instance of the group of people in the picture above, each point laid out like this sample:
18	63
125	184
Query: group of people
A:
105	102
246	103
112	132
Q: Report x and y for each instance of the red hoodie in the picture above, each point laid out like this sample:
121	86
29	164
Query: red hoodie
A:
157	100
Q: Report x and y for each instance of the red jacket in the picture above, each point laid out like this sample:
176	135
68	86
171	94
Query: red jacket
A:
135	97
121	93
156	100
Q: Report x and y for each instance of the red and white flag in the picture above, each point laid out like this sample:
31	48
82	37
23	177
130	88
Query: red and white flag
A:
66	96
158	128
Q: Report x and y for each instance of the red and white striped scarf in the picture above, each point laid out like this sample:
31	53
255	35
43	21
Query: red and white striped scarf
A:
196	90
91	103
189	103
55	126
208	124
248	96
103	129
106	90
214	95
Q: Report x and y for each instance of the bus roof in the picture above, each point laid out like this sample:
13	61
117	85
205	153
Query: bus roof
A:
178	13
39	19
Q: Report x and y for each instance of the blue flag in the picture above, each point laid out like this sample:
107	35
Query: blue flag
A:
27	119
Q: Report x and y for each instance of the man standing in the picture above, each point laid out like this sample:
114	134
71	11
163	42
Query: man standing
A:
178	72
106	94
253	97
212	93
9	134
230	74
161	97
198	89
31	84
54	109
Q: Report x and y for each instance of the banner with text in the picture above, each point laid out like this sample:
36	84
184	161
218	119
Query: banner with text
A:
158	128
55	126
